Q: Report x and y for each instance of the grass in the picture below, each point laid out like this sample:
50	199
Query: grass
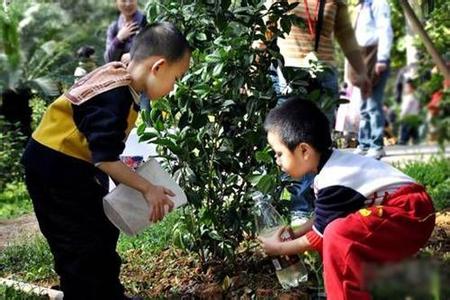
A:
9	293
435	176
153	240
430	174
29	260
14	201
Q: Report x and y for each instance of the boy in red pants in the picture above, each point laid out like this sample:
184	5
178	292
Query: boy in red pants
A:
366	211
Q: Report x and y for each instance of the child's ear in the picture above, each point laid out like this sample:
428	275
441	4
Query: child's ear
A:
305	150
157	65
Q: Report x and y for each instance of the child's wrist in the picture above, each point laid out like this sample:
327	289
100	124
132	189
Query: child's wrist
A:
147	187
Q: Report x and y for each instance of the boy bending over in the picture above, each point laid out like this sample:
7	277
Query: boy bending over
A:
78	144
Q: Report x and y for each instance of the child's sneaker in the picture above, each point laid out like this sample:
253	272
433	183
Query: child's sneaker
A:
376	153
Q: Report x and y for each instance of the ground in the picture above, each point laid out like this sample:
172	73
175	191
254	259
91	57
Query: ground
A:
12	229
179	275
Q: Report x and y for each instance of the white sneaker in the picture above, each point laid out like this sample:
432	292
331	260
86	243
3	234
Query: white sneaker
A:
360	151
376	153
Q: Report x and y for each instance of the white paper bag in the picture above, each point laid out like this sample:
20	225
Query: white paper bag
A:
126	207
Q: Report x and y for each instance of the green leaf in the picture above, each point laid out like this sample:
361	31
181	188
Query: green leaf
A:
201	36
218	70
148	136
263	157
266	184
169	144
286	24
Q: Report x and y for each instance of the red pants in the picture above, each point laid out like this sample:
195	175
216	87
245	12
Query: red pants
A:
379	234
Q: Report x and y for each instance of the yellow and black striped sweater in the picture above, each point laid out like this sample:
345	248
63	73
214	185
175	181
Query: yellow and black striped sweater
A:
74	138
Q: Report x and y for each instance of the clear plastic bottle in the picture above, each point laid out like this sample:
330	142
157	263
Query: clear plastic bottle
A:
290	269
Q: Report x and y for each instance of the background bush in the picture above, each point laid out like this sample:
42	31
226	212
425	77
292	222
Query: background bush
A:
435	176
14	200
11	148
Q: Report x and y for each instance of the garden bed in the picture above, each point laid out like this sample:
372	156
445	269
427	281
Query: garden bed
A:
171	273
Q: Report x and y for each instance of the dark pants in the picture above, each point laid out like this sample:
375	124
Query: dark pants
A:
408	132
81	238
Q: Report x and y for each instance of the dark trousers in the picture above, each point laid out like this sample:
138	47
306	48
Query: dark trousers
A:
408	132
81	238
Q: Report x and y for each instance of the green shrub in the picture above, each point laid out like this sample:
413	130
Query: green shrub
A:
434	175
441	195
431	173
9	293
209	131
11	148
38	106
14	200
29	260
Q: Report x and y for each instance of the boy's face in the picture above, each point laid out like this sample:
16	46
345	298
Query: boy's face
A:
297	163
163	75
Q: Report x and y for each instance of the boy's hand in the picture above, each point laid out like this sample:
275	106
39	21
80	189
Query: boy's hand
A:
127	30
158	201
272	245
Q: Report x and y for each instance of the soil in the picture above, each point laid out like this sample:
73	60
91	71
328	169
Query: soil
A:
176	275
11	230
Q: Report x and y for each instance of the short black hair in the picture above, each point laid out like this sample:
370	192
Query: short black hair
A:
411	82
162	39
85	52
300	121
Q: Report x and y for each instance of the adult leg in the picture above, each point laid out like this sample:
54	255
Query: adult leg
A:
375	111
364	133
404	134
302	199
81	238
278	83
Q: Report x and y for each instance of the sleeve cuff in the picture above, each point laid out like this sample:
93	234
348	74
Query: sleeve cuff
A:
383	61
315	240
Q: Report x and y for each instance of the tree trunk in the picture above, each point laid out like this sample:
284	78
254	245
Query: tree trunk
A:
418	28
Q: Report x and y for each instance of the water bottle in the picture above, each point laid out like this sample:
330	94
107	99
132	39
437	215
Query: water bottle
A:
289	269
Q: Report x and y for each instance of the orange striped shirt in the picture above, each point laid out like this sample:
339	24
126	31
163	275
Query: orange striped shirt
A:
299	42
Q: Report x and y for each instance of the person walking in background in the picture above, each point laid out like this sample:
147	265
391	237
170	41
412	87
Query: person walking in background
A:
374	34
409	114
326	21
86	62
